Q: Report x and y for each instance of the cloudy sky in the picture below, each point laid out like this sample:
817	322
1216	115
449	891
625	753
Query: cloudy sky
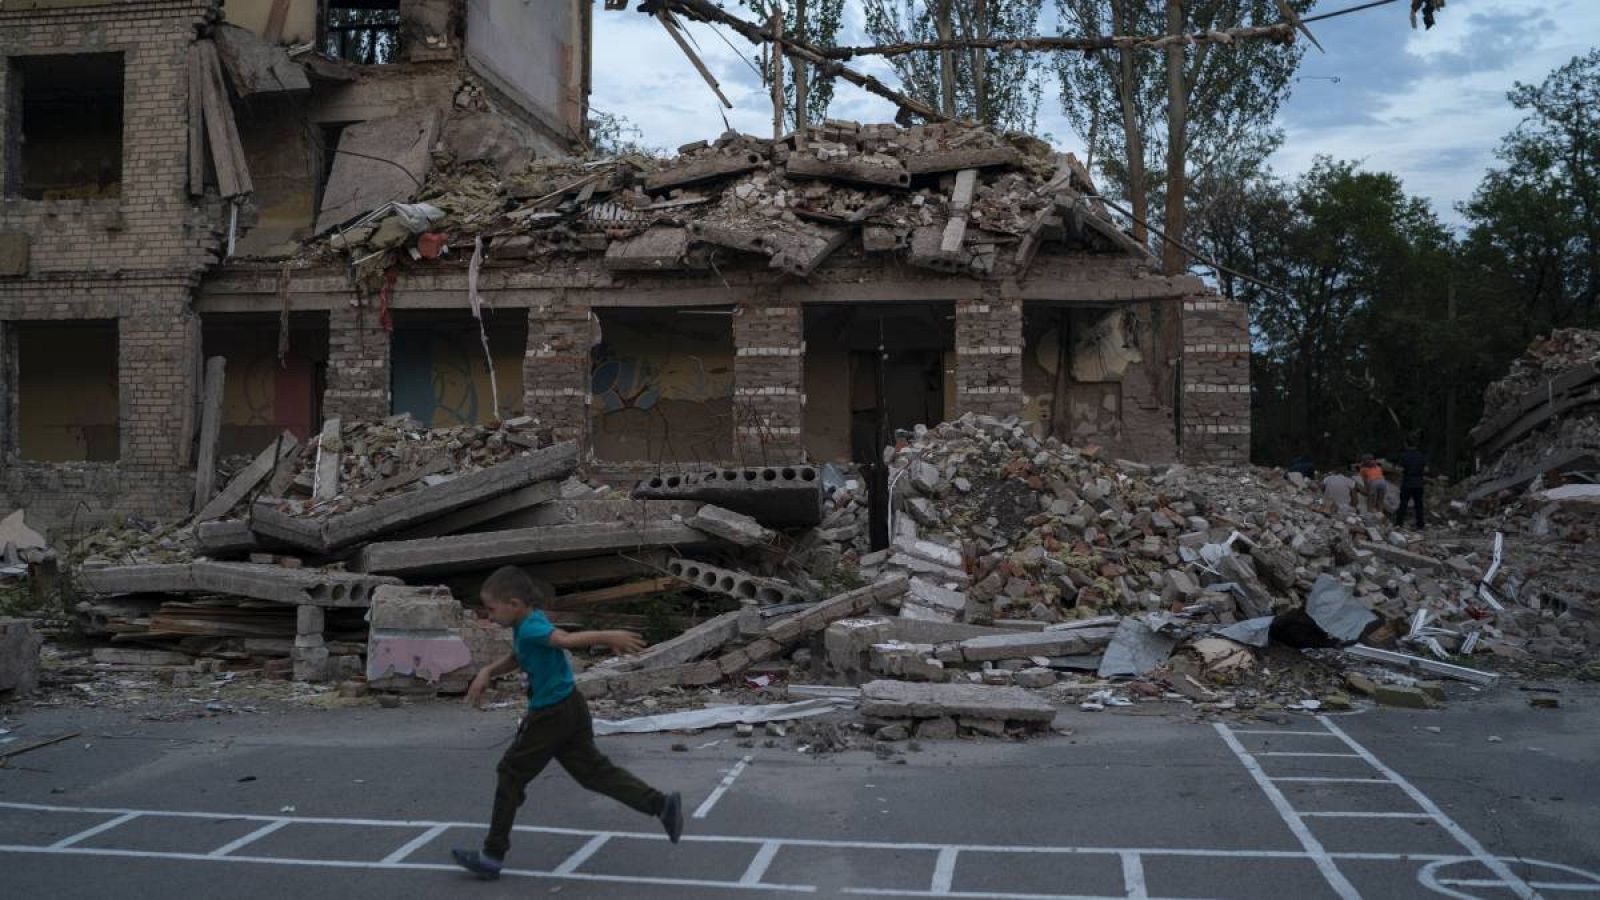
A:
1428	105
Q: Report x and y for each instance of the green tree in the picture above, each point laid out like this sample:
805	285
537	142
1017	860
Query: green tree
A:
1534	240
1353	354
816	22
998	88
1119	100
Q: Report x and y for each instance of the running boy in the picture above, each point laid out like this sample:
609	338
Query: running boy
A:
557	725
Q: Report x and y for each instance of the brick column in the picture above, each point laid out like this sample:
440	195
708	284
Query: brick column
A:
989	357
1216	380
768	383
358	365
555	369
158	357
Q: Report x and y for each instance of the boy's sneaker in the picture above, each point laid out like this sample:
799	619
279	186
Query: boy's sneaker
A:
481	866
672	816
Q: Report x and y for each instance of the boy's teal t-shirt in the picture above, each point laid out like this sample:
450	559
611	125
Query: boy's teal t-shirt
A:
549	673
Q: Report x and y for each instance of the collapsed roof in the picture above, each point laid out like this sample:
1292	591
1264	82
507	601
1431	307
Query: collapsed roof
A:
949	198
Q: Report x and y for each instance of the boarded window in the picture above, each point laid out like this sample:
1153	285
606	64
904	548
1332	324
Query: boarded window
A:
439	373
65	131
66	391
267	392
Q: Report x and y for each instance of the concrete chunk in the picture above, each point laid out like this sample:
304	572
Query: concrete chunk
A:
929	602
907	700
414	608
735	528
19	657
1036	643
228	537
467	552
110	581
702	639
776	496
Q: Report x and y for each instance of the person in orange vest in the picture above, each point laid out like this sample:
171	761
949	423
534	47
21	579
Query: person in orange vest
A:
1375	487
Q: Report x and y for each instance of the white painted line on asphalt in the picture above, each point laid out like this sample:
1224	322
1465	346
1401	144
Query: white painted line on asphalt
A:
1276	733
91	832
415	844
1133	877
944	871
983	895
581	855
1512	882
721	788
1322	755
1314	849
404	867
1320	779
758	866
1364	815
250	838
1572	886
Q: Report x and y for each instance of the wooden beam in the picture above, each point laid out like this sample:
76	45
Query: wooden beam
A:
205	470
666	22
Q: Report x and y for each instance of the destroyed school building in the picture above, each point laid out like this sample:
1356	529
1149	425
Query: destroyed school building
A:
374	208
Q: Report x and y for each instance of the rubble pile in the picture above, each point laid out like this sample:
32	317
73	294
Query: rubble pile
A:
947	198
1541	422
995	526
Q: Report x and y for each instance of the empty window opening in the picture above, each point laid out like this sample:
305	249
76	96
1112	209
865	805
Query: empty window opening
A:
66	398
859	395
363	31
661	386
439	373
65	133
275	376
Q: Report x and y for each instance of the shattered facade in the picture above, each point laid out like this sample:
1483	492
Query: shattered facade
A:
372	209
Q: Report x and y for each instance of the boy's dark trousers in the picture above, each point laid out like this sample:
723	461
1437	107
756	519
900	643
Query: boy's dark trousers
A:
1408	496
563	732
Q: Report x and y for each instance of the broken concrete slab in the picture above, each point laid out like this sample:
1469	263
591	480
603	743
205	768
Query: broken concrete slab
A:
1037	643
469	552
702	639
847	643
1405	558
255	66
735	528
927	601
259	582
738	585
1404	696
913	700
378	161
19	657
223	538
1135	649
538	495
412	508
776	496
407	608
713	716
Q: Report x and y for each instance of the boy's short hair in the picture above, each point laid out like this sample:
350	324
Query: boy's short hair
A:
509	583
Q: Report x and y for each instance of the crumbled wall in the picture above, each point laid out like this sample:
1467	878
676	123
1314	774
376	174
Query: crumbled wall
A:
358	364
555	369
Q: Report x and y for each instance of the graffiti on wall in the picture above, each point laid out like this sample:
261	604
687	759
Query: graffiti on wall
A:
441	378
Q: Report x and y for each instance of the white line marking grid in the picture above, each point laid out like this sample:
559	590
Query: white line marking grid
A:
1473	874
